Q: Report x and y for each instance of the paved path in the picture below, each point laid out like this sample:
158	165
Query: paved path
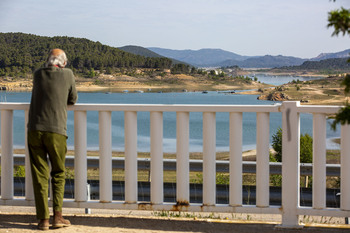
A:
22	219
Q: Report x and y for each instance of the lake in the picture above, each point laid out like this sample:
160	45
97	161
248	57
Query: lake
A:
169	142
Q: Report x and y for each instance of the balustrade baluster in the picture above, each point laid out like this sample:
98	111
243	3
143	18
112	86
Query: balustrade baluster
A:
130	120
28	173
182	158
80	159
6	154
236	159
156	133
209	158
345	168
105	137
319	162
262	159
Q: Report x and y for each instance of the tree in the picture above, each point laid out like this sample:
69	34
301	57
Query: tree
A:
340	20
305	147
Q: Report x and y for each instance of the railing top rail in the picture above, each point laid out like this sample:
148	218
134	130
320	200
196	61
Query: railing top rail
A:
326	109
319	109
175	108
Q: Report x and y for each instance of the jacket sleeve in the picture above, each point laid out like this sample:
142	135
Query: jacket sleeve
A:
72	95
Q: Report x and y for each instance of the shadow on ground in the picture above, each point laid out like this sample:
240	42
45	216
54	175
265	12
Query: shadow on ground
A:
27	223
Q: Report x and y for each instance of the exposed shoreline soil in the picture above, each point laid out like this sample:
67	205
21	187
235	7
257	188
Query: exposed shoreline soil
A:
324	92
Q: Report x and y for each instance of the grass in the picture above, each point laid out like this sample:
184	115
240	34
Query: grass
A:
333	157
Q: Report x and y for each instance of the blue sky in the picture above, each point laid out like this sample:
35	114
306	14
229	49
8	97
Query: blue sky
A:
247	27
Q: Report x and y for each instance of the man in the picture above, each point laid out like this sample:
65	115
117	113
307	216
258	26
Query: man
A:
53	90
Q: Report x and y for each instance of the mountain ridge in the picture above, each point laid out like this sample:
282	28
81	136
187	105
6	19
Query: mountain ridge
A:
216	58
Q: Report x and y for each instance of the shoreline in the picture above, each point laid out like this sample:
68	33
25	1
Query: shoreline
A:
305	92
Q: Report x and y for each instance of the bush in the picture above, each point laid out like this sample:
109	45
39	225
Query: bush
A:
305	147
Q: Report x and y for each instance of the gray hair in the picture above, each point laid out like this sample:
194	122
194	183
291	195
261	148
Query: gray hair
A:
59	59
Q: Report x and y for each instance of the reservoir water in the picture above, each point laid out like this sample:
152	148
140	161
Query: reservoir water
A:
169	142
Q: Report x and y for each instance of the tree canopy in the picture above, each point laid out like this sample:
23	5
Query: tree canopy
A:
340	20
22	53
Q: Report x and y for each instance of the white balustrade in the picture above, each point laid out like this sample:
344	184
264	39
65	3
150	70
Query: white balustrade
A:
345	168
130	121
290	163
182	158
262	159
319	161
6	154
209	158
236	135
105	137
290	209
80	159
28	171
156	133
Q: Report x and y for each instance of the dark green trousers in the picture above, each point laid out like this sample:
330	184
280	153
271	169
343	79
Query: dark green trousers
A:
44	146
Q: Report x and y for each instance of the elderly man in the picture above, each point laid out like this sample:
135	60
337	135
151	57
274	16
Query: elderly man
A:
53	90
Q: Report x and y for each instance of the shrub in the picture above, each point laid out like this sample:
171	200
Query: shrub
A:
305	147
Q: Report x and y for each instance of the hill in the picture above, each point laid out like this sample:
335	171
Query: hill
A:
331	65
323	56
22	53
266	61
138	50
222	58
202	57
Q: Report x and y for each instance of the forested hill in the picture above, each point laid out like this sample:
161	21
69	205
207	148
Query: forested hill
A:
22	53
138	50
332	64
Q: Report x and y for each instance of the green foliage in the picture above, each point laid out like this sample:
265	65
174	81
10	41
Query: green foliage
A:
342	117
305	147
19	171
22	53
180	69
245	79
69	173
276	180
340	20
221	178
346	83
277	145
91	73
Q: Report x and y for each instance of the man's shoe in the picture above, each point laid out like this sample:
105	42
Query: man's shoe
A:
59	221
44	224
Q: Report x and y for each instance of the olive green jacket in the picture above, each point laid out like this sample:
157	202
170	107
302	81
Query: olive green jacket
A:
53	89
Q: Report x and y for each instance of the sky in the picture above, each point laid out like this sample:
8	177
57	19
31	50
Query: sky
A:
246	27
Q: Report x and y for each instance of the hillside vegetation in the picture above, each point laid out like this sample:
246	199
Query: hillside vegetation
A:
327	66
21	54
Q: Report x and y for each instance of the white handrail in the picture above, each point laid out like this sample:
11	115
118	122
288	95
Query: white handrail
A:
290	209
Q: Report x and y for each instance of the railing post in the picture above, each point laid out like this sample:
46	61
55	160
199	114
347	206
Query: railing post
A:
182	158
209	158
290	164
345	168
28	172
156	133
105	141
7	154
236	159
319	161
262	160
130	121
80	159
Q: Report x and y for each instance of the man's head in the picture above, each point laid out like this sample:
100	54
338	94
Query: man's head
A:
57	57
